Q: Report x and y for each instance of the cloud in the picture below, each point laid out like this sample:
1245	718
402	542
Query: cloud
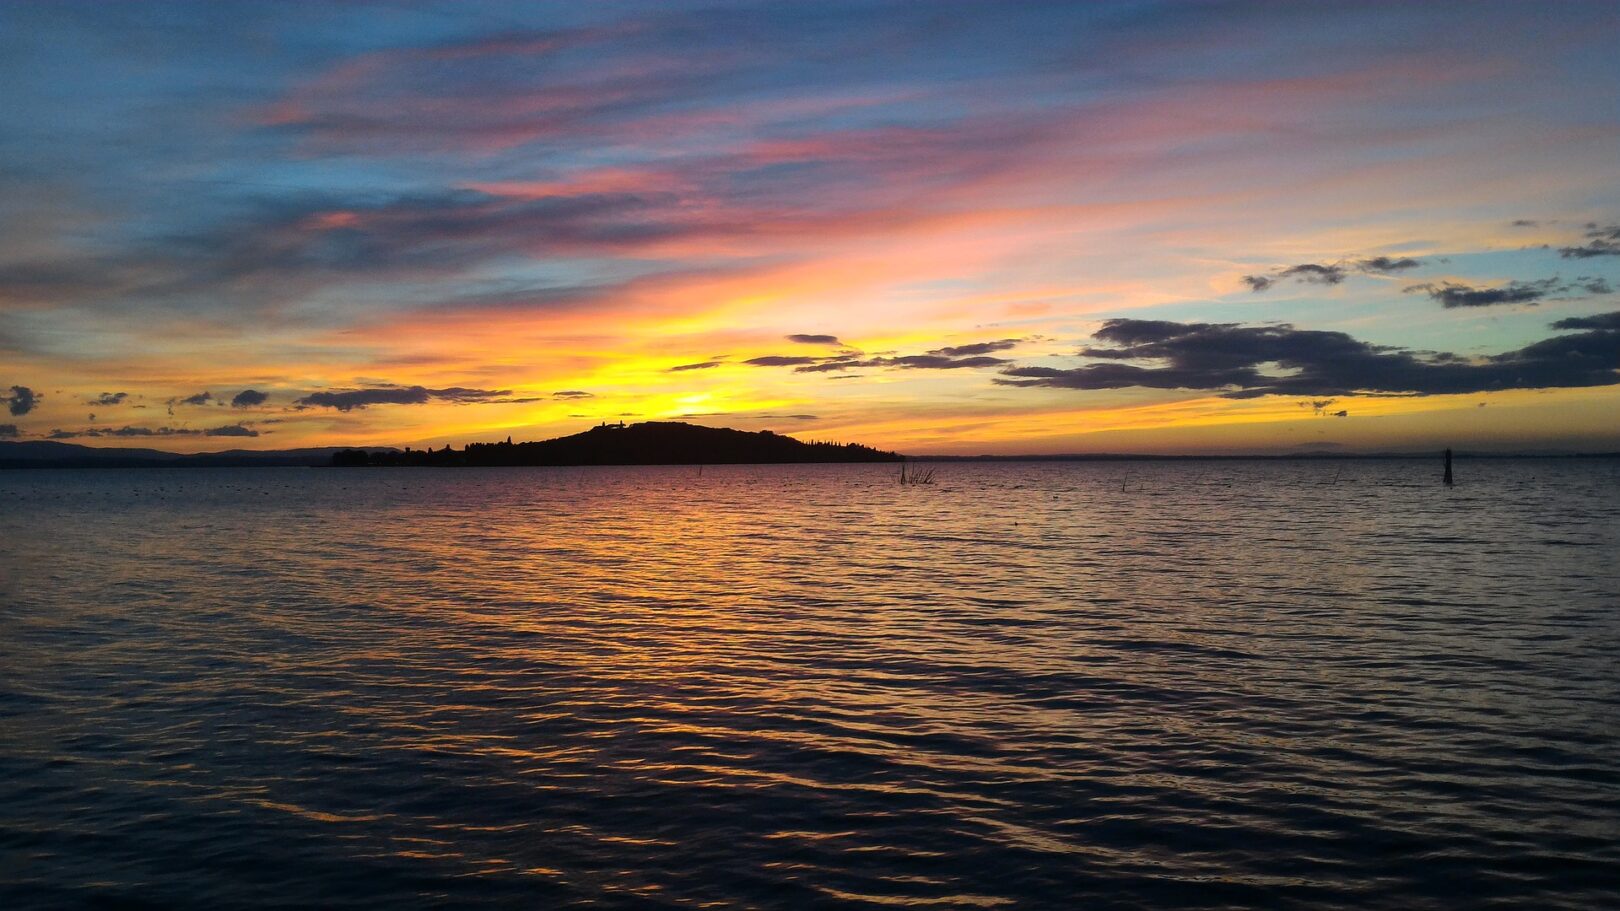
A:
1320	408
977	348
778	360
573	394
1602	240
1524	223
1314	273
1311	273
702	366
815	339
1331	273
905	362
1455	294
249	398
1228	357
936	362
136	432
1388	264
350	399
1609	321
201	398
21	400
1452	294
108	398
831	365
956	357
9	432
229	430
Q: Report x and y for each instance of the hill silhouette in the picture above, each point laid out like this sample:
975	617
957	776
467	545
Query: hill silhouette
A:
650	443
53	454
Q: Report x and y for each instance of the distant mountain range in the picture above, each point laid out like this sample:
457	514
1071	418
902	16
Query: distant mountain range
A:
51	454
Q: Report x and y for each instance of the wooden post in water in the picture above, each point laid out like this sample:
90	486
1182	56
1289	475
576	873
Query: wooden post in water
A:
1448	480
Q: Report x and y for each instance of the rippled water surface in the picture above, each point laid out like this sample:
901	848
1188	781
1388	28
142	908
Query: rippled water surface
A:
1205	684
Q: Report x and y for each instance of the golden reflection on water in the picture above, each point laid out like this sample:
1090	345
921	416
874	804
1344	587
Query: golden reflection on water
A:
1029	685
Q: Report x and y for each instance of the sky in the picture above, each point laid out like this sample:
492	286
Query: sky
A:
936	227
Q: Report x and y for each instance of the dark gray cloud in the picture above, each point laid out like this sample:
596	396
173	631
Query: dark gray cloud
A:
108	399
201	398
249	398
573	394
1609	321
1524	223
702	366
955	357
904	362
1228	357
21	400
815	339
936	362
1311	273
1454	294
1331	273
1601	240
9	432
1314	273
977	348
779	360
1388	264
350	399
229	430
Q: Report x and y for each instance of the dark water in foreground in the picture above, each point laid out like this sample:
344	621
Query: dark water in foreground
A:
1030	685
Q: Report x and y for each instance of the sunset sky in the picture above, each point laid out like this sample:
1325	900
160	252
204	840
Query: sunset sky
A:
938	227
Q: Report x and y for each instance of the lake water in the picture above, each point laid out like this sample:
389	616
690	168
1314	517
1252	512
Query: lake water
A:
1098	685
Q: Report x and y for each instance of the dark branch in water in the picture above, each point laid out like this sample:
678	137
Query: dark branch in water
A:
915	475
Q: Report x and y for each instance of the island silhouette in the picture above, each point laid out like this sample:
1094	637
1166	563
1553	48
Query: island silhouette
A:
648	443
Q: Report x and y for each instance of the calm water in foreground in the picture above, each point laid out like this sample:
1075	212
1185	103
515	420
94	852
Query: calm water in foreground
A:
1210	684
